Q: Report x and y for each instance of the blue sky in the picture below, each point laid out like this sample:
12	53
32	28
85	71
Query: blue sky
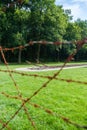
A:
78	7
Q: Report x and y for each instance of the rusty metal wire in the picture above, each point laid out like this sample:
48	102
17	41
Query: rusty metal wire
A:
19	94
79	43
42	76
24	101
3	124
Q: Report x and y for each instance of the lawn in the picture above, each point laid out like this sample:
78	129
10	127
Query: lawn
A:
67	99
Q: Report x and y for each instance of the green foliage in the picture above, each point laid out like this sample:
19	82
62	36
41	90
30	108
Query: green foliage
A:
19	39
47	21
73	32
68	13
25	20
83	25
82	54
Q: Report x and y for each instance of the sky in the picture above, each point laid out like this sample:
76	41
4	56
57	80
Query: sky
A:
78	8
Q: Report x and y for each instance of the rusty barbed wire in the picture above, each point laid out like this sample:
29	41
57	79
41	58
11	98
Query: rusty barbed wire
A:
29	117
67	120
10	74
79	43
47	77
19	93
44	85
3	124
36	64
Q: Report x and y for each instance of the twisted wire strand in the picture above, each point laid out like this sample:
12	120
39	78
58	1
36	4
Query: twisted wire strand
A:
44	85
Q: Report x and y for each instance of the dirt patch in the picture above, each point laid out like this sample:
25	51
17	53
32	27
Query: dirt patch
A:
49	68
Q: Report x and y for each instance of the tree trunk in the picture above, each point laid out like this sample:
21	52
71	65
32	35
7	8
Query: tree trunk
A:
0	58
19	56
38	54
58	58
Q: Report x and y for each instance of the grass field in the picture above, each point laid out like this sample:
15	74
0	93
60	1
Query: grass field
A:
64	98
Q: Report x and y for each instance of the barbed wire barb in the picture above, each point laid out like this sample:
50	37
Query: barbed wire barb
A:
55	76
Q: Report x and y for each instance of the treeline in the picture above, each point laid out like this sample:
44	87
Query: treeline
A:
22	21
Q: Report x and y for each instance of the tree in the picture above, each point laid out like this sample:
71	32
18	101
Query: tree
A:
47	21
13	24
73	32
21	31
68	14
25	20
83	25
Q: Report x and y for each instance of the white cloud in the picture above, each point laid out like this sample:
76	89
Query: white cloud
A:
79	0
78	7
71	1
75	10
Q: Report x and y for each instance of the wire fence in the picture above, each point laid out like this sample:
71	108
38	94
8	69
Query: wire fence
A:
24	101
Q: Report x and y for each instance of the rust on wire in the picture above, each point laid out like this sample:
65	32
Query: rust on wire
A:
42	76
79	43
67	120
55	76
19	93
3	124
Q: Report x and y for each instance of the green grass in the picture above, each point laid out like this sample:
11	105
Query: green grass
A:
66	99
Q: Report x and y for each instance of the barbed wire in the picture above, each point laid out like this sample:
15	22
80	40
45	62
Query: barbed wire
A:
41	76
55	76
79	43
